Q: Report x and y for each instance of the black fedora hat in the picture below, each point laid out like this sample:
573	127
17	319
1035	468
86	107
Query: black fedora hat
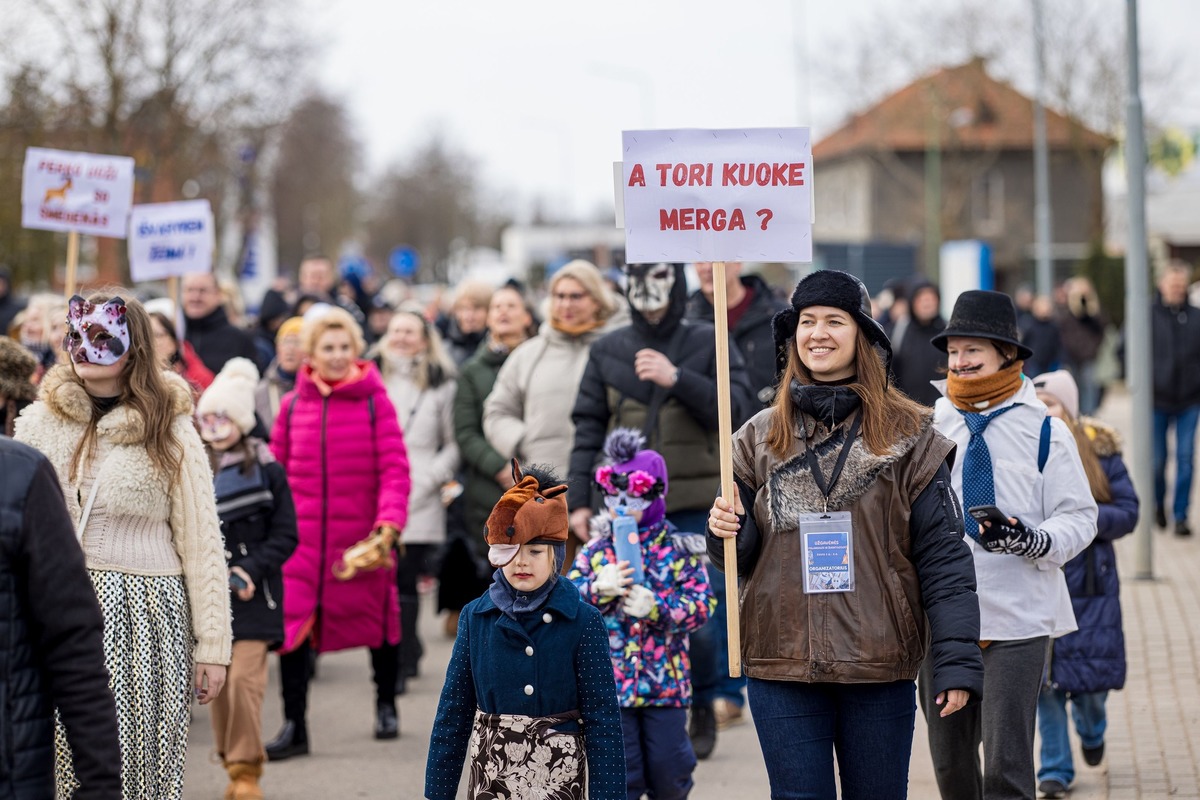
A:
980	314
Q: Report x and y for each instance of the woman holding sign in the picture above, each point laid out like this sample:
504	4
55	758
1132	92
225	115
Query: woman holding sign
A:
851	556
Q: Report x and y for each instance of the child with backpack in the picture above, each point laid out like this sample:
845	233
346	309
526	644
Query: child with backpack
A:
258	521
648	622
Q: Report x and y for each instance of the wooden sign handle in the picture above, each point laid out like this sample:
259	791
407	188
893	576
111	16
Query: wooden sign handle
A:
725	437
72	262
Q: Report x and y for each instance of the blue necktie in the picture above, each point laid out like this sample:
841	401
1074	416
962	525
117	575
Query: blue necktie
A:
978	485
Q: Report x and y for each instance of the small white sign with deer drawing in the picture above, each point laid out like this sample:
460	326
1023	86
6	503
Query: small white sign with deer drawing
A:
84	192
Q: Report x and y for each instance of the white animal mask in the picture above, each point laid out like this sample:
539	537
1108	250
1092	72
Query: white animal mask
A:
96	334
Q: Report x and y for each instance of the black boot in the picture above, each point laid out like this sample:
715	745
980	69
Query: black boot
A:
703	730
292	740
387	723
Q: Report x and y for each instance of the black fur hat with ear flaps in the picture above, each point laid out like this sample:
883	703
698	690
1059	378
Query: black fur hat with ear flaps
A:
836	289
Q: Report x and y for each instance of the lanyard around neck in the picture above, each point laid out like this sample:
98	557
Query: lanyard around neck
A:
815	465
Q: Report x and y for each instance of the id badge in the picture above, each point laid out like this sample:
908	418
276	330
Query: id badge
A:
828	544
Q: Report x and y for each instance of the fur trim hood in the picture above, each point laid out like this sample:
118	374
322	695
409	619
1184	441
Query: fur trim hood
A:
17	366
794	490
66	398
1104	438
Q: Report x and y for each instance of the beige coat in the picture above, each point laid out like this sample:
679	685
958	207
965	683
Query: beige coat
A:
135	490
528	413
427	423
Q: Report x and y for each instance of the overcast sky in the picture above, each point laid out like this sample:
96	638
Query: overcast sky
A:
540	90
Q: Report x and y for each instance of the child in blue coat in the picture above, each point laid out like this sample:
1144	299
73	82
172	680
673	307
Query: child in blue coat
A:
529	688
1086	664
648	623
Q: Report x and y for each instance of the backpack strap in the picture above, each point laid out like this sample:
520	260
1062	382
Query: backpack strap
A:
1044	443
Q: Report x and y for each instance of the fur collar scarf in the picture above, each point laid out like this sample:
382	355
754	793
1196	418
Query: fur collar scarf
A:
67	399
1104	438
793	490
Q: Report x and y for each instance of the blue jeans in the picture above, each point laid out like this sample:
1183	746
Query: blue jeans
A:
801	725
1090	721
1185	448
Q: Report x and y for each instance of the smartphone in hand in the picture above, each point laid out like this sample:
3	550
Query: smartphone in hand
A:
237	582
990	514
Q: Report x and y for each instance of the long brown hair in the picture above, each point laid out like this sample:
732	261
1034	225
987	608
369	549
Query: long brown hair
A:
143	388
888	414
1097	480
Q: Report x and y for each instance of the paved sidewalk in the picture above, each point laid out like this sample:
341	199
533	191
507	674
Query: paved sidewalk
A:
1153	741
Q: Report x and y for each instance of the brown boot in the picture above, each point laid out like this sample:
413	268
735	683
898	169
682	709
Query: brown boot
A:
243	781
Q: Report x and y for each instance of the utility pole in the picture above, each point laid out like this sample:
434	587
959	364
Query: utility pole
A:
1138	345
1041	160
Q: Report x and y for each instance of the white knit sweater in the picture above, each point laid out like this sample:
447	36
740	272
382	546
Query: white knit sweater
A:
142	522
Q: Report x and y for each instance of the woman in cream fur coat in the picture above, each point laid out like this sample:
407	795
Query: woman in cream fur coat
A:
137	482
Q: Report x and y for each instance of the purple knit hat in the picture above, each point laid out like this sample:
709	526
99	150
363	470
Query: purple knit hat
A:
634	478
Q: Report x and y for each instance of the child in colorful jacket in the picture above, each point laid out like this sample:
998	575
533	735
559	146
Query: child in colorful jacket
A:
647	622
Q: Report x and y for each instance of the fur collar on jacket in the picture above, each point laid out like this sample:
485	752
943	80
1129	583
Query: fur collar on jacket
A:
67	399
1105	439
794	491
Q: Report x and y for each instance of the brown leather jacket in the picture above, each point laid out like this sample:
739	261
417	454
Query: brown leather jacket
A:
911	565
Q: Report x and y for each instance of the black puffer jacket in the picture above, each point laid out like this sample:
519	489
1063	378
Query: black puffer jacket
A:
1176	337
611	395
51	648
752	333
258	520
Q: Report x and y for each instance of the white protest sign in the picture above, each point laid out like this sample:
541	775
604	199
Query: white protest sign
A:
168	239
83	192
718	195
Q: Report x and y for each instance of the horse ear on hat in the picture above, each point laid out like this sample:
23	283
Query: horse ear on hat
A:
836	289
983	314
528	512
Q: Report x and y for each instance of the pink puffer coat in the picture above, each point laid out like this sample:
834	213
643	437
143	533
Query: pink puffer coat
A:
348	471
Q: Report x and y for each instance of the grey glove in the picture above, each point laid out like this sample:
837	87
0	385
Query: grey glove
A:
1015	539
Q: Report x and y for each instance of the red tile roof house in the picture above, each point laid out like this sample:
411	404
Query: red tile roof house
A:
870	174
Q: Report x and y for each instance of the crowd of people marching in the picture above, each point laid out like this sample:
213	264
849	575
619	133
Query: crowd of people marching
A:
923	519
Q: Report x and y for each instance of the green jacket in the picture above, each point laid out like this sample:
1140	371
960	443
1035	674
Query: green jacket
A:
480	460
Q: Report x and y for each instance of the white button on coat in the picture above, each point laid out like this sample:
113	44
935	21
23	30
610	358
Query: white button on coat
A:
528	689
529	650
546	617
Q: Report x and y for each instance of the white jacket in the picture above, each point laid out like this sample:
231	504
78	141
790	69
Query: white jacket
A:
1020	598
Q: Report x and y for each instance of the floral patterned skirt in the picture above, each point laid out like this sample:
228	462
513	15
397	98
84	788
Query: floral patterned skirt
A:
515	757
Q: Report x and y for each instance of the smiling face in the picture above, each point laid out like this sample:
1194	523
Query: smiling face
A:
570	304
826	340
507	316
406	335
531	567
969	357
333	355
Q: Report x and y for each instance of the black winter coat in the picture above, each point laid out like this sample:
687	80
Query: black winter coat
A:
1092	659
1176	337
216	340
917	362
752	334
684	433
51	641
258	520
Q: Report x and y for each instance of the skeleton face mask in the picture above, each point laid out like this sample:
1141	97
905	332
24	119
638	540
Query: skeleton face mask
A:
96	334
650	285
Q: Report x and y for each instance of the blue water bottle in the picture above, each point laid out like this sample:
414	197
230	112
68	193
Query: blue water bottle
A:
626	542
